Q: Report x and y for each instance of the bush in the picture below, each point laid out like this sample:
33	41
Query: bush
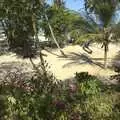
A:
83	76
44	98
27	99
85	37
95	102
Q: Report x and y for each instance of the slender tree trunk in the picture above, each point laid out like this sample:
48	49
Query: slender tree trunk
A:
105	55
51	30
35	30
106	43
53	36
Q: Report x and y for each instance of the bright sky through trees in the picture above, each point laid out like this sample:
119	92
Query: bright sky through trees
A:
73	4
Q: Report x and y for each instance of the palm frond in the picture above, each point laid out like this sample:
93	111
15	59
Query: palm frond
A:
90	36
105	9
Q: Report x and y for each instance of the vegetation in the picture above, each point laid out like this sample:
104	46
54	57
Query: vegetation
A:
84	99
104	11
41	96
19	21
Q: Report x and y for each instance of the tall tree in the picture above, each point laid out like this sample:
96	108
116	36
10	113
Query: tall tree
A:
104	11
19	19
49	25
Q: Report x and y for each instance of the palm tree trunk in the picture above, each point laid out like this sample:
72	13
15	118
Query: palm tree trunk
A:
35	30
53	36
51	30
105	55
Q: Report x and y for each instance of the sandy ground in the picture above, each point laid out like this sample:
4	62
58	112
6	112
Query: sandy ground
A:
65	68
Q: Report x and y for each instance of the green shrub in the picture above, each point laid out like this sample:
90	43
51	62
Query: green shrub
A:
83	76
96	103
42	98
84	37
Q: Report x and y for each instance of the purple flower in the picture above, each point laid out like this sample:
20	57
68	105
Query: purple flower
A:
59	104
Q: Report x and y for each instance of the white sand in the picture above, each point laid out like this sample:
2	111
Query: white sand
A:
65	68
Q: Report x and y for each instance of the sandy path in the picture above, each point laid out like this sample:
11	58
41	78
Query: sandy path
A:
77	61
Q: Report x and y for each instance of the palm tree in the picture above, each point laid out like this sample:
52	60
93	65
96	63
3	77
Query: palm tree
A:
104	11
42	2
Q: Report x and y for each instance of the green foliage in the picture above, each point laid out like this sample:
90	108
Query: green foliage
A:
88	84
83	76
19	20
97	102
27	99
64	22
57	21
104	9
95	37
41	100
81	27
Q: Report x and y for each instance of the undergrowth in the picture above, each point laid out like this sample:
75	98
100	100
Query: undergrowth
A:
44	98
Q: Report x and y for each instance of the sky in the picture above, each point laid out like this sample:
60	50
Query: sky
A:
73	4
78	5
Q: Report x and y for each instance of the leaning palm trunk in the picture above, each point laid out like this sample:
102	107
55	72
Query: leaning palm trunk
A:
53	36
51	30
50	27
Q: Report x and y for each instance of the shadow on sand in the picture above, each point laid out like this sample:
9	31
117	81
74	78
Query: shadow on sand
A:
76	58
